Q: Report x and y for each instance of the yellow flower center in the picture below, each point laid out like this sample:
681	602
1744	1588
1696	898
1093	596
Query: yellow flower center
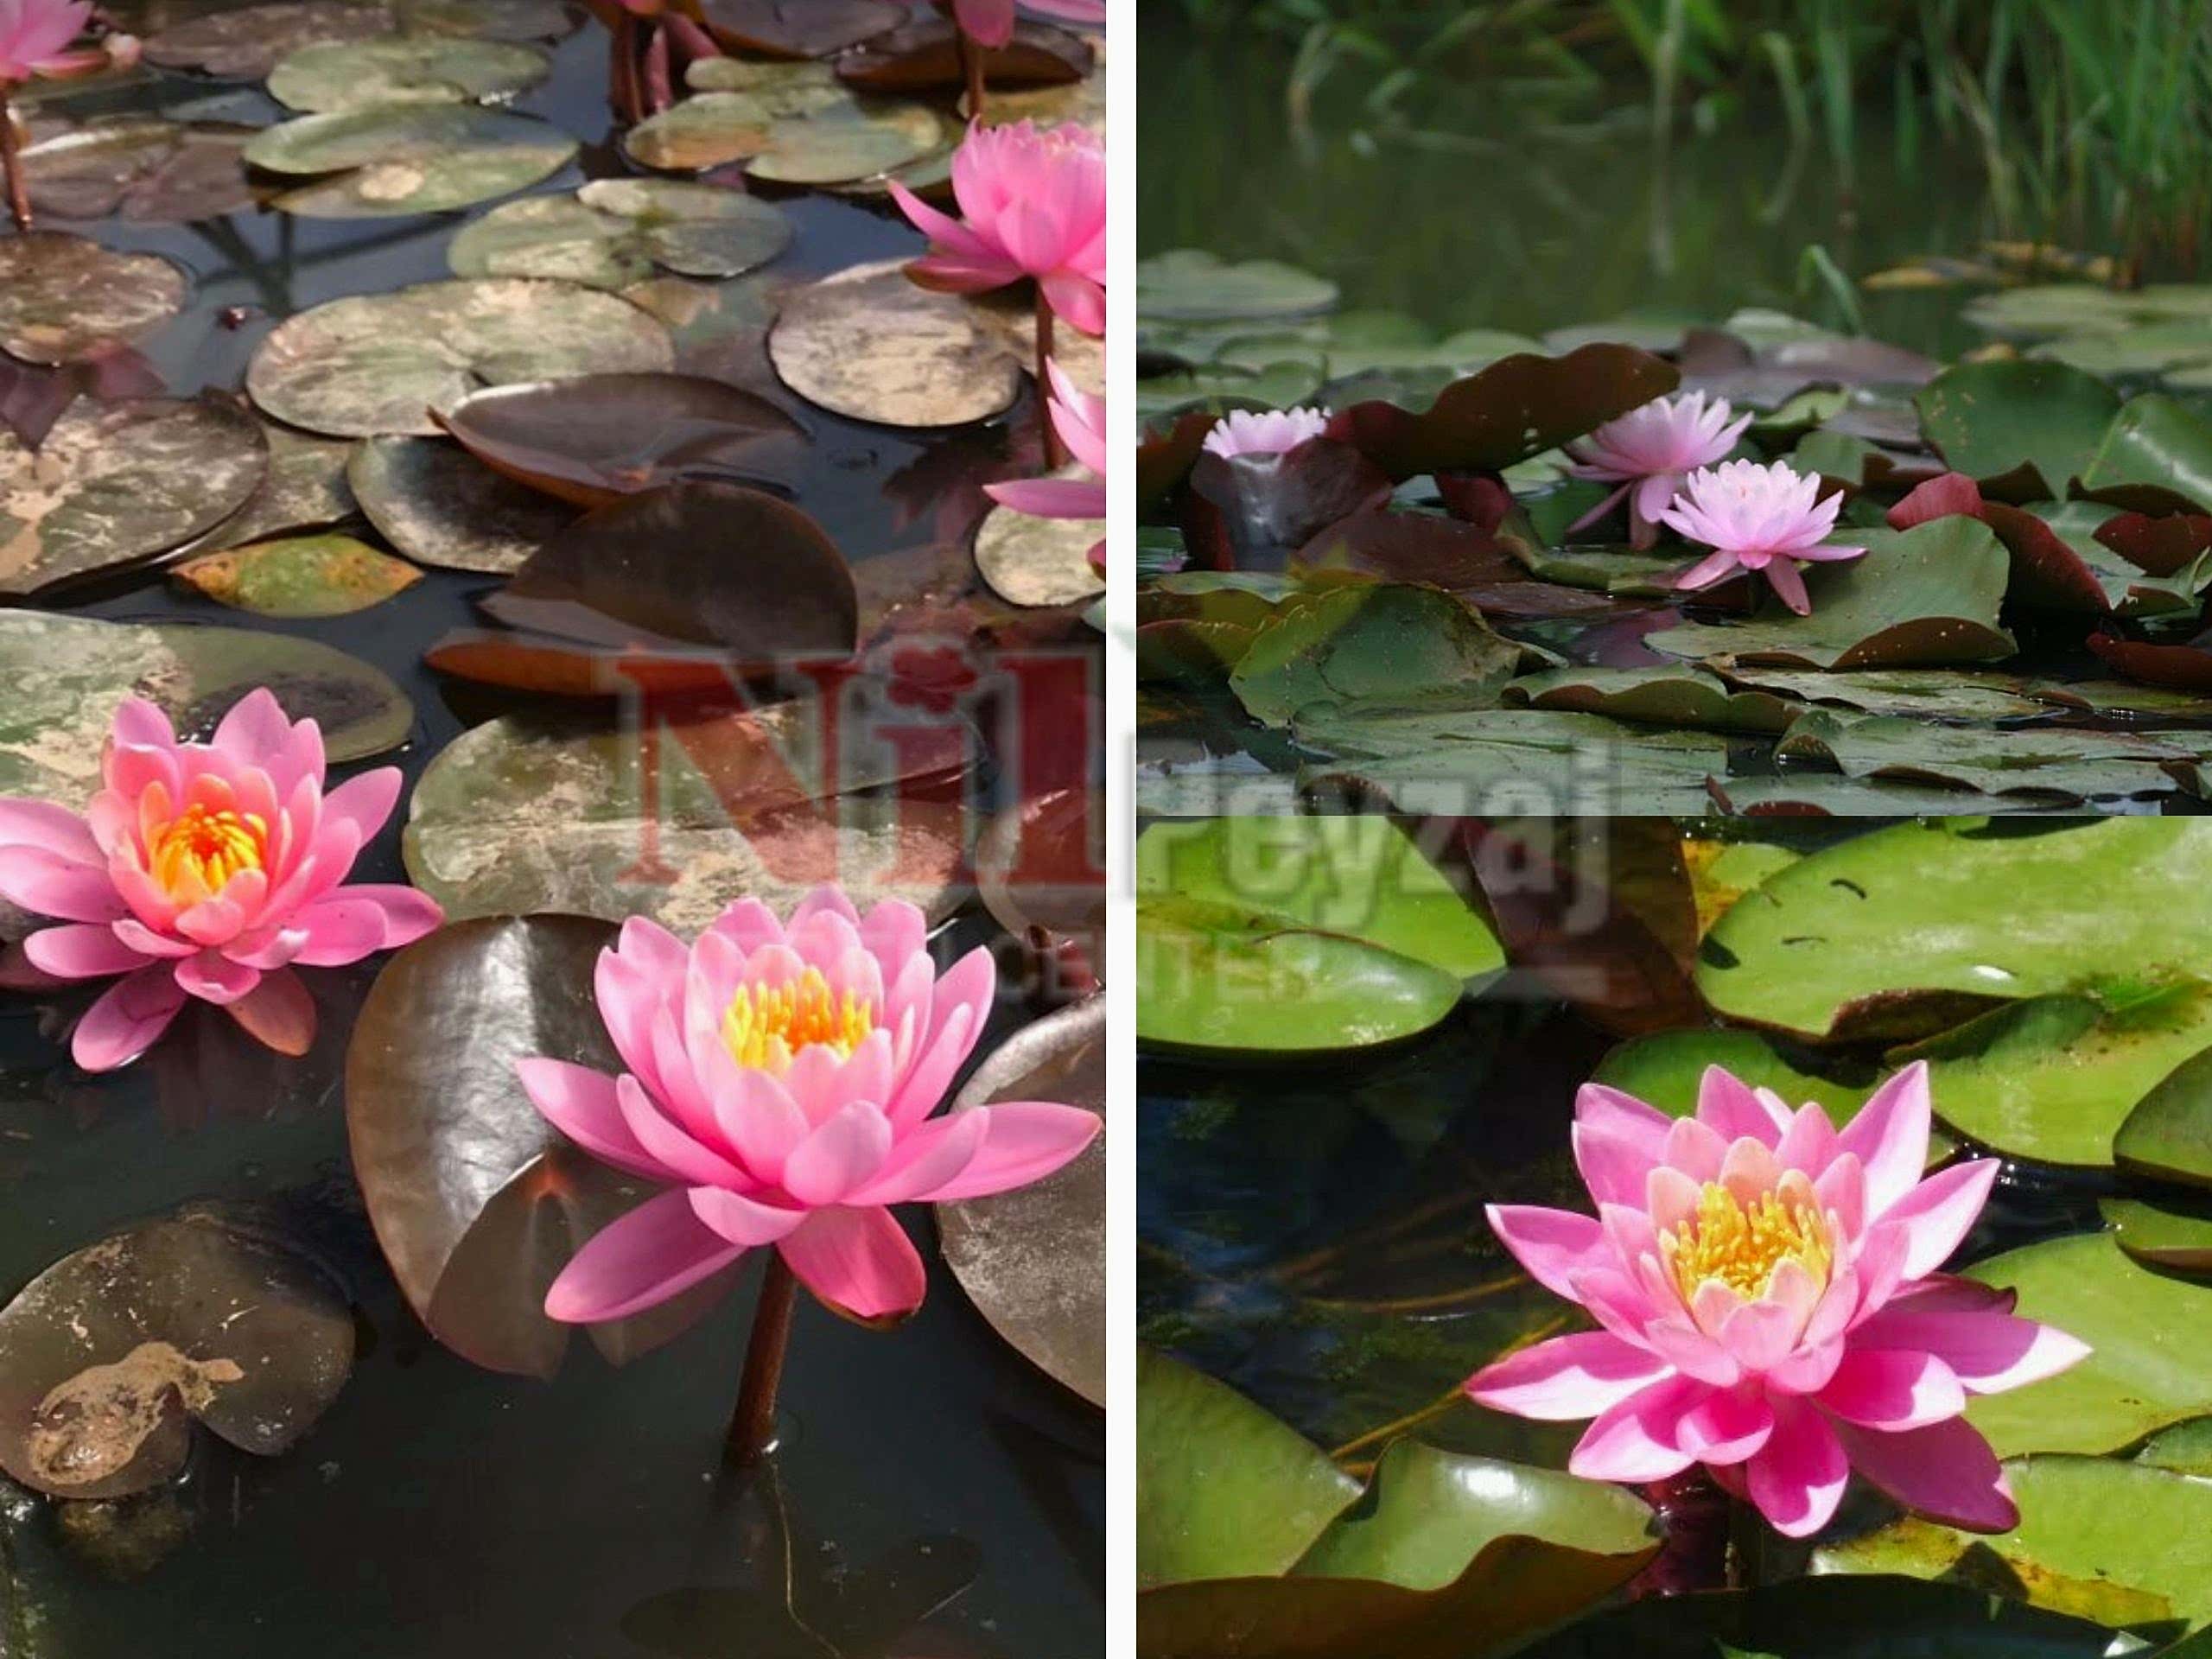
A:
200	850
767	1025
1741	1245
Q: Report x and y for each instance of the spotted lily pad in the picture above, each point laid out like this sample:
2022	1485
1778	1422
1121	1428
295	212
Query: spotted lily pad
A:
2055	767
1032	560
1034	1261
799	28
63	297
380	363
1670	697
2156	457
105	1356
842	146
2034	426
306	575
248	41
615	232
305	488
69	672
115	483
439	504
868	344
389	160
334	75
548	814
140	169
714	128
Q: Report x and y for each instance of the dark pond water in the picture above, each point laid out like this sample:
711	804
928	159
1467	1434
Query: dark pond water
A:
937	1496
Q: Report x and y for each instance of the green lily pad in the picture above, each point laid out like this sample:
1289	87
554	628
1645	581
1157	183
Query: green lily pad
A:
2043	309
868	344
139	168
2186	1448
1664	696
390	161
334	75
2151	1337
1186	283
487	20
2118	1543
112	484
380	363
69	672
615	232
1918	598
439	504
2179	352
2169	1135
1877	931
2156	457
841	146
63	298
1953	694
715	129
1362	646
518	816
305	575
1989	420
1440	1545
1620	570
2158	1235
1297	935
2053	767
246	43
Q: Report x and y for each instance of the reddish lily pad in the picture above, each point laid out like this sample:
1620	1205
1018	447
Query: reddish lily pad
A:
1282	500
140	169
306	575
923	57
589	439
798	28
106	1354
1419	546
63	298
247	42
439	504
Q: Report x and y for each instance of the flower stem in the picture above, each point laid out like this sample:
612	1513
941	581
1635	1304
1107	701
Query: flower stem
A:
753	1424
971	71
1056	454
19	201
1746	1541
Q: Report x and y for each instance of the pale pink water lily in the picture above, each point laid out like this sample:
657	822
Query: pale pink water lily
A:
1265	432
1032	203
1761	519
781	1079
1770	1306
207	870
1080	419
1648	451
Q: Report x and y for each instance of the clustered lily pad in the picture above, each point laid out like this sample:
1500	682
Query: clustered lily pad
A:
615	232
63	298
387	160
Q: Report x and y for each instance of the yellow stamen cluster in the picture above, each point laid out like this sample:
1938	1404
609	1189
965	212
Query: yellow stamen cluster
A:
1741	1245
767	1025
200	850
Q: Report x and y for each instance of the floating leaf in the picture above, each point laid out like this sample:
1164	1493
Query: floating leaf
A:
246	43
116	483
105	1355
2035	425
715	129
1921	597
2156	458
1924	693
381	363
547	814
1891	926
1186	284
439	504
1668	696
922	57
799	28
304	488
334	75
615	232
477	1200
140	169
487	20
867	343
1297	935
1365	647
389	160
2052	767
1034	1261
841	146
2159	1236
63	298
2169	1135
307	575
592	439
69	673
1032	560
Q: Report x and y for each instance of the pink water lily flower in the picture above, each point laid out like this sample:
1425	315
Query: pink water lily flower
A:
1770	1306
1032	203
35	37
205	869
1757	517
1265	432
1080	419
781	1079
1648	451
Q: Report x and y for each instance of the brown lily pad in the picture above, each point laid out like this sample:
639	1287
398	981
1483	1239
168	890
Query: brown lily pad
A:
923	57
246	43
113	484
439	504
382	364
696	567
477	1200
301	576
305	488
140	169
593	439
105	1356
867	343
798	28
63	298
1034	1261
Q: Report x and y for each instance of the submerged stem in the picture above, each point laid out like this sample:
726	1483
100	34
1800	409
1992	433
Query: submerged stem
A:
971	71
1056	454
19	200
753	1424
